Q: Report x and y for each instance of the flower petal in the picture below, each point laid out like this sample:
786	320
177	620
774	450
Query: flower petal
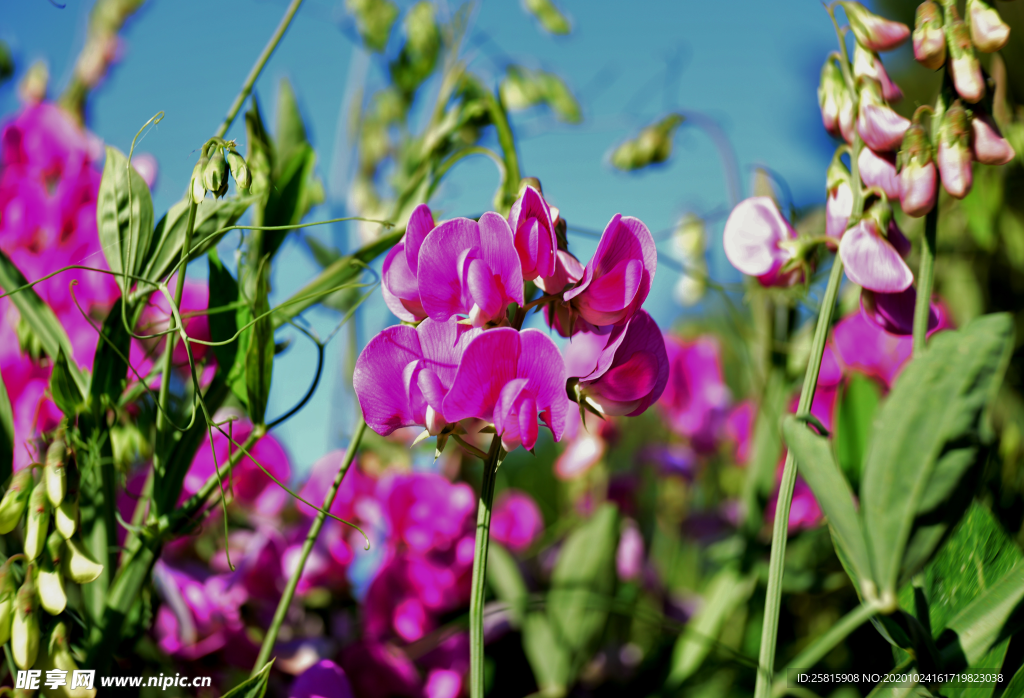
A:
872	262
378	379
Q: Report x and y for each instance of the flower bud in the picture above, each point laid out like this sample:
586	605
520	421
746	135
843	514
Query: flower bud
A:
239	170
879	126
988	144
839	205
879	170
872	31
197	188
929	36
831	94
37	521
954	152
49	580
918	189
78	564
12	506
25	626
866	63
54	473
967	77
989	32
215	174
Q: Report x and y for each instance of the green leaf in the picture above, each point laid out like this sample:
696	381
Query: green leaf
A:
63	388
652	145
989	619
254	686
290	134
110	367
548	657
982	204
928	433
374	19
858	403
259	357
583	579
6	433
419	55
726	591
818	467
549	16
765	450
259	153
294	193
507	582
522	88
1015	688
124	217
223	291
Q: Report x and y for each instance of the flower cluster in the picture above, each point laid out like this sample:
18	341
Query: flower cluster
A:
462	284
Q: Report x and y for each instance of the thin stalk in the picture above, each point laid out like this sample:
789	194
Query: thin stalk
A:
307	547
257	68
925	279
476	599
776	563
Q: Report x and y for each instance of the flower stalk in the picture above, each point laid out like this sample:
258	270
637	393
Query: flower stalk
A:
477	592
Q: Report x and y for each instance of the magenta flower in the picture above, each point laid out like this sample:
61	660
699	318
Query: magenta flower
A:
758	239
533	229
696	399
398	277
511	379
469	268
879	170
873	261
989	32
516	521
380	670
929	36
739	428
894	312
27	385
426	511
621	370
325	679
880	127
568	270
583	448
872	31
862	345
988	145
866	63
404	373
629	556
618	278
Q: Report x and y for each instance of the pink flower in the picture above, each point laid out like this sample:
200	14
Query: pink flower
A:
516	521
696	399
325	679
804	511
894	312
918	186
757	240
533	228
879	126
568	270
469	268
622	370
989	32
356	486
964	65
629	556
861	345
866	63
872	31
583	448
34	413
398	276
988	145
403	374
879	170
380	670
426	511
929	36
739	428
443	683
873	261
954	152
838	207
618	278
511	379
833	97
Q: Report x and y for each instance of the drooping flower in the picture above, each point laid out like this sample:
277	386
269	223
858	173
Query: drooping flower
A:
989	32
470	268
894	312
872	31
875	261
880	127
988	145
511	379
325	679
866	63
403	375
399	283
622	370
964	65
918	186
954	151
696	399
839	204
756	241
516	521
929	36
831	95
618	277
533	229
879	170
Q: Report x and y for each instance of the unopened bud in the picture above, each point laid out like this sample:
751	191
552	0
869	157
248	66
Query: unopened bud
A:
832	96
197	188
963	64
12	506
239	170
54	473
929	36
25	626
954	151
37	520
78	564
866	63
918	189
988	144
874	32
989	32
215	174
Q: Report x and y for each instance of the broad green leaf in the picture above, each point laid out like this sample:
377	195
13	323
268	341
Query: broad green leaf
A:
223	291
726	591
548	656
765	450
858	403
993	659
295	191
374	19
254	686
259	153
419	55
652	145
110	367
583	580
549	16
259	357
988	619
63	388
507	582
290	134
982	205
818	467
1015	688
928	432
6	433
124	217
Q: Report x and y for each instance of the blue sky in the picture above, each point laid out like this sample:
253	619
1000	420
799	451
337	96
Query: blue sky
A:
750	66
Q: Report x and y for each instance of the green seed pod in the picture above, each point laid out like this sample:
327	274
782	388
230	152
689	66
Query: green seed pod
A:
58	656
25	627
196	187
215	174
66	517
7	594
55	474
78	564
239	170
50	580
37	521
12	506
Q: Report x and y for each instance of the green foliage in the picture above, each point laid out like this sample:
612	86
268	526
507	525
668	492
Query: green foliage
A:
858	403
6	62
124	217
110	365
522	88
63	388
374	19
419	55
259	357
507	582
233	314
652	145
253	687
6	433
549	16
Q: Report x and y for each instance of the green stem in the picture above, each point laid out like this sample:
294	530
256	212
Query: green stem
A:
257	68
307	547
476	599
925	279
773	596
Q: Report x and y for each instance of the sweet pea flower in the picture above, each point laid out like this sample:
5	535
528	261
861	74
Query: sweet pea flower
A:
380	670
325	679
874	261
964	66
426	511
617	279
533	228
511	379
757	241
954	153
833	97
403	374
584	447
470	268
804	510
894	312
929	36
839	204
872	31
399	283
988	145
880	127
621	370
696	399
866	63
629	556
879	170
516	521
989	32
918	186
739	428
